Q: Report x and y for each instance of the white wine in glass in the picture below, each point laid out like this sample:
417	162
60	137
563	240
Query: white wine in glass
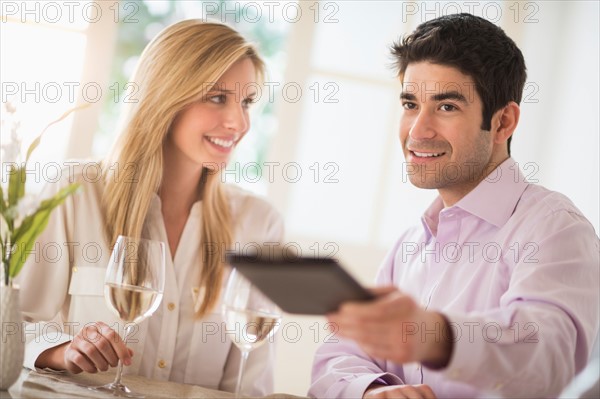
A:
252	316
133	290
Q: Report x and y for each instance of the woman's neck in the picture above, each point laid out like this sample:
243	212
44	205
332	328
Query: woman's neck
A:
181	186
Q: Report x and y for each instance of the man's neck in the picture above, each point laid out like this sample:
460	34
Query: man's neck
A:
451	195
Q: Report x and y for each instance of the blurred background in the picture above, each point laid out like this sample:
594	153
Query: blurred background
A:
324	145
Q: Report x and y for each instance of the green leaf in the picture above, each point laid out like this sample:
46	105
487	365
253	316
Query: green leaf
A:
47	204
16	185
23	246
59	197
3	205
26	235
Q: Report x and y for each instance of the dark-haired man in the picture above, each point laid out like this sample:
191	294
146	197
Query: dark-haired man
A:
496	292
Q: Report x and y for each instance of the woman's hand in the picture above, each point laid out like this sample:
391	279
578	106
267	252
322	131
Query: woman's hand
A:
399	391
93	349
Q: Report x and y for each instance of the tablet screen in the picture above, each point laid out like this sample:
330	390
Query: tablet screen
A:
300	285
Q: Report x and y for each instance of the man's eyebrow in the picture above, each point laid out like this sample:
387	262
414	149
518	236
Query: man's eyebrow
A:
407	96
450	95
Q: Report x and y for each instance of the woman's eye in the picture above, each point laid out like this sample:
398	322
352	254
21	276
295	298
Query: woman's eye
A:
249	101
218	99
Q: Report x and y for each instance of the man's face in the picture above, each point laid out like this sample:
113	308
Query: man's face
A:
440	130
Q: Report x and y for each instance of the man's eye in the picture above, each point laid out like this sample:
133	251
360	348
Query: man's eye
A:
447	107
409	105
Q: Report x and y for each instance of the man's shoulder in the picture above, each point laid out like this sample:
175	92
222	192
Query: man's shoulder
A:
541	201
544	211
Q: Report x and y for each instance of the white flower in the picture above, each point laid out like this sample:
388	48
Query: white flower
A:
10	108
11	149
26	206
10	152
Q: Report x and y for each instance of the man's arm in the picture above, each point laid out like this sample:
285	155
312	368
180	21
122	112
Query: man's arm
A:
531	345
342	369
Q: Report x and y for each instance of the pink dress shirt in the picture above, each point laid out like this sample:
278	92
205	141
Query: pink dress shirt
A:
515	269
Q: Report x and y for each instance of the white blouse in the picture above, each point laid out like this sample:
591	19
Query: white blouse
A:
63	280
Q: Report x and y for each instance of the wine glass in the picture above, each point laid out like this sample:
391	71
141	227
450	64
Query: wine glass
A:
252	316
133	289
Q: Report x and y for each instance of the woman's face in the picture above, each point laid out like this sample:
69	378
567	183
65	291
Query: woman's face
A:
206	132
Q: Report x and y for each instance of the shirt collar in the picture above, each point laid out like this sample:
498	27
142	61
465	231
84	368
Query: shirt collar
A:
493	200
431	217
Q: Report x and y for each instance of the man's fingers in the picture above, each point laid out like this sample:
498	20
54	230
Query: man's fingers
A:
400	391
426	391
379	291
391	305
409	391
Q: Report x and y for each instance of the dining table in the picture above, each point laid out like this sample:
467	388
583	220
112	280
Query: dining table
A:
34	384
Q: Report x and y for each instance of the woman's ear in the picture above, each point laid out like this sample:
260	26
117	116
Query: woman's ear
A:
504	122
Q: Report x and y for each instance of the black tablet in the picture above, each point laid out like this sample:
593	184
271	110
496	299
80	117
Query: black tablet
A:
300	285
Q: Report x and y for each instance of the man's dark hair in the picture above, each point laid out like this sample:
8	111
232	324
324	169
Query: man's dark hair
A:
477	48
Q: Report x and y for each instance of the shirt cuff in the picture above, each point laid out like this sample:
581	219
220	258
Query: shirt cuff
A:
358	385
39	344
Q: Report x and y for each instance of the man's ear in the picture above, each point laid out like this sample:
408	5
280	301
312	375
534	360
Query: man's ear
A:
504	122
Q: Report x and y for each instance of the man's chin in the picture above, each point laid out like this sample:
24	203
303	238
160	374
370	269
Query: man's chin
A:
427	184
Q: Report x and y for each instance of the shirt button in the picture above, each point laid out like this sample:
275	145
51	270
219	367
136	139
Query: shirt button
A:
498	385
162	364
171	306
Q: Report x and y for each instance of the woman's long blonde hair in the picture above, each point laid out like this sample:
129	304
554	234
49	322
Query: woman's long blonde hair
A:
174	70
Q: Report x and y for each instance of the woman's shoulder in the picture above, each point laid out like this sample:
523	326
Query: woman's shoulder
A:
255	220
243	201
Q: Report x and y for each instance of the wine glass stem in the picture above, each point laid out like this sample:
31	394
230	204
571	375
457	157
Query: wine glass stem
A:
117	380
238	386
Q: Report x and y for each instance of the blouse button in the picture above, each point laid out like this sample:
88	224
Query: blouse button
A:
171	306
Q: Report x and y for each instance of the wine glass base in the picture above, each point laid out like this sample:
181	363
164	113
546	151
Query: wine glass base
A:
119	390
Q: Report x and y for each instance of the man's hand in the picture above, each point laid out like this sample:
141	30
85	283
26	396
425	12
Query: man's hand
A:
399	391
394	327
93	349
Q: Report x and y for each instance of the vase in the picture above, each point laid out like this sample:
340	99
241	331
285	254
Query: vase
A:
12	344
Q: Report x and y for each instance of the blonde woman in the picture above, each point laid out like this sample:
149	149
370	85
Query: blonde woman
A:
195	82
